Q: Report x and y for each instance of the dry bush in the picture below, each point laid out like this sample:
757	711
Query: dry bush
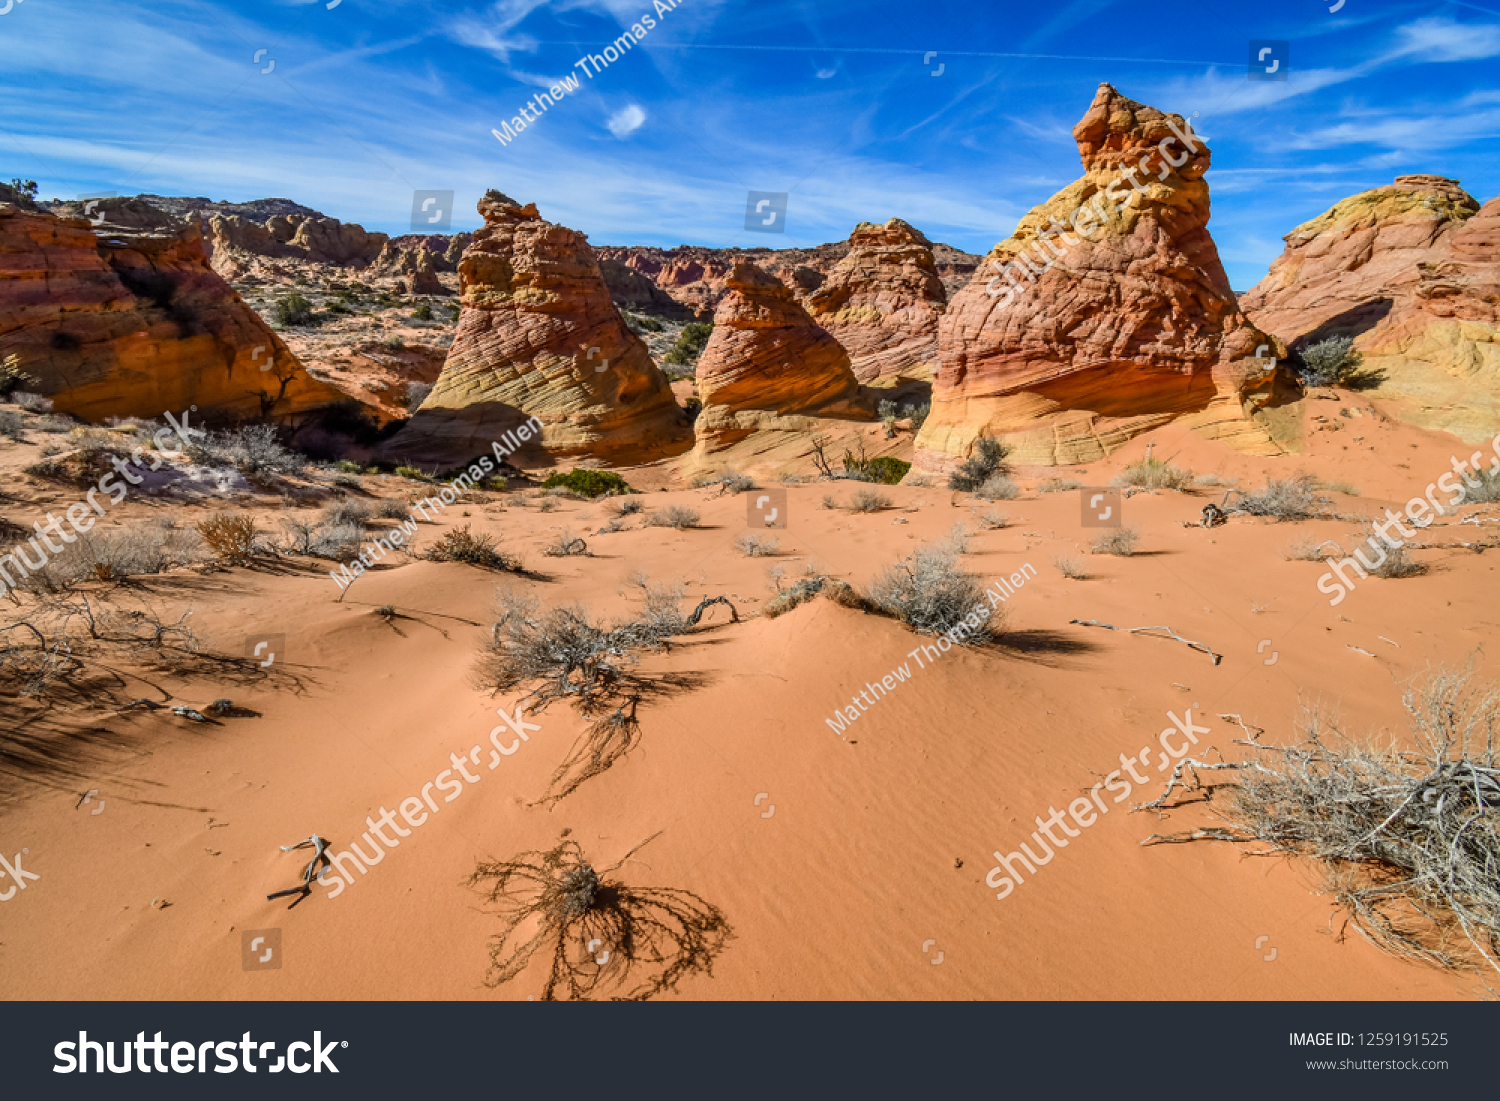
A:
567	544
231	537
958	539
1309	550
564	653
626	506
612	525
1410	841
1397	562
994	521
347	510
391	509
572	913
676	516
930	593
1119	541
1293	499
998	487
1485	488
1153	473
151	547
757	546
840	592
32	403
12	425
1215	480
1057	485
477	549
1071	568
728	481
868	500
252	449
829	503
547	504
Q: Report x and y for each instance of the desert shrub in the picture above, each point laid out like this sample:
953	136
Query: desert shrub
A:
690	344
1397	562
1293	499
12	378
997	487
692	407
958	539
627	506
55	425
643	323
867	500
391	509
560	902
885	470
993	521
338	541
293	309
49	470
1153	473
756	546
32	403
1409	841
565	653
587	483
1339	487
133	551
477	549
410	472
988	460
347	467
1308	550
1484	490
1070	568
1119	542
829	503
396	343
930	593
567	544
416	394
231	537
886	410
1328	362
1215	480
676	516
252	449
1057	485
734	482
917	414
347	510
840	592
547	504
12	425
422	313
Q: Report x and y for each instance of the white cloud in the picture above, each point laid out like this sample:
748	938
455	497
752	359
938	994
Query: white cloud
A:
626	121
1444	40
825	74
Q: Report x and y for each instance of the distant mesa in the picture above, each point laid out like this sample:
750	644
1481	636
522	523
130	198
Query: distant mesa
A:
539	337
769	366
882	302
118	314
1411	271
1107	313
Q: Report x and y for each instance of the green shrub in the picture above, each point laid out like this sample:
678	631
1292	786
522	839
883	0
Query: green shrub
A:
690	344
293	309
422	313
12	378
410	472
886	470
1153	473
588	483
1331	362
989	459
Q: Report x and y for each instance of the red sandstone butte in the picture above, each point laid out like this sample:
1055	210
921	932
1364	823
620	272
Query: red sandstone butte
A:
1411	271
1120	323
539	337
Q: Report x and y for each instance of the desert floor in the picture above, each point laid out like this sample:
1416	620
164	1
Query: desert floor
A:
846	866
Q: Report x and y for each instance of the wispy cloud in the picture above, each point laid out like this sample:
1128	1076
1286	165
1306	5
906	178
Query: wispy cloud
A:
626	121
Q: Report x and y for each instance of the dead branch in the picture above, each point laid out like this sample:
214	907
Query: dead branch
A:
1137	630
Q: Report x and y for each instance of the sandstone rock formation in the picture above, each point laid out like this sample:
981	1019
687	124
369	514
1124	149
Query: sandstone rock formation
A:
538	336
413	264
120	315
1105	314
235	242
882	302
694	277
1411	271
769	366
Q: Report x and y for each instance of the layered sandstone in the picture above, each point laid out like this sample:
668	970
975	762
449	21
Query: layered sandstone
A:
120	315
539	337
1105	314
413	263
1411	271
236	242
769	366
882	302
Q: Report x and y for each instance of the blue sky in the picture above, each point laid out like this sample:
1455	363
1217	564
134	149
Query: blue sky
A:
833	102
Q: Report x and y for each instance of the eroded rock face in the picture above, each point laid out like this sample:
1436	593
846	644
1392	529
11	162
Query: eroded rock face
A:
1105	314
768	365
235	242
1411	271
413	263
539	337
125	318
882	302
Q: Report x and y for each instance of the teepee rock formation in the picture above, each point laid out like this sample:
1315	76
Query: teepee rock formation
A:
539	337
1105	314
1411	271
769	366
118	314
883	301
